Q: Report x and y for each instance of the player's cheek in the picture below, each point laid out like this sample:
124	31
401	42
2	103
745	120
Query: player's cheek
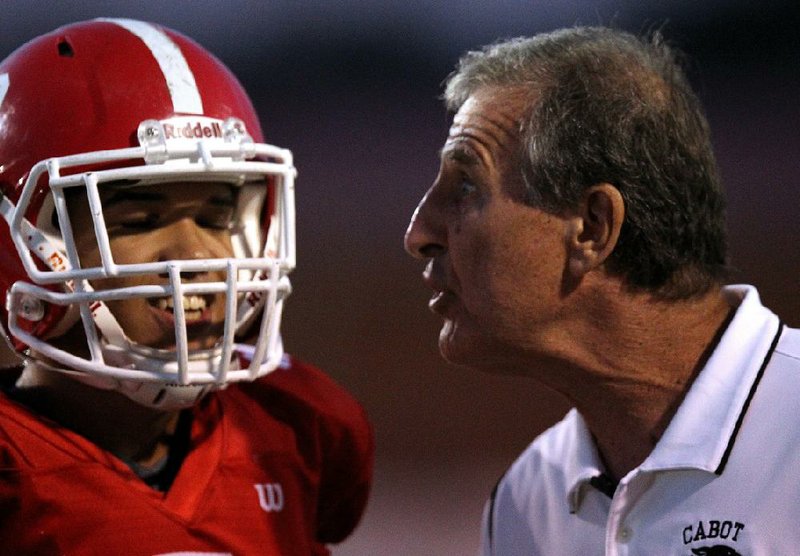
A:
219	242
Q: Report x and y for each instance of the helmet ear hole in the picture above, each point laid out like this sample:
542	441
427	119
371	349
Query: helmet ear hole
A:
65	49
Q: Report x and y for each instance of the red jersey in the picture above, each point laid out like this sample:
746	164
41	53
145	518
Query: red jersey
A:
279	466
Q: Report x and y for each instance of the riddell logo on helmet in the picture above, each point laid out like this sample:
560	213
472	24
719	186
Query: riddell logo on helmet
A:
190	130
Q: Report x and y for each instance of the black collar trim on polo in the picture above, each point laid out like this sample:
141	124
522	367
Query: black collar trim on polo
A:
604	484
723	462
490	520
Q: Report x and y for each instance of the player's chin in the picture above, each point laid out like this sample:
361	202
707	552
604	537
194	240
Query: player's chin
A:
204	335
199	336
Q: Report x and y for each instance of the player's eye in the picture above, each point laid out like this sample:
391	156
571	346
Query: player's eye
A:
216	220
138	221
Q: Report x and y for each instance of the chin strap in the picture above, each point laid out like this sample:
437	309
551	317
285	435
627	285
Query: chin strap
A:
158	395
155	395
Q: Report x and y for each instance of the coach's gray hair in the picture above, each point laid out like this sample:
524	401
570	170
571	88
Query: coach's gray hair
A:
606	106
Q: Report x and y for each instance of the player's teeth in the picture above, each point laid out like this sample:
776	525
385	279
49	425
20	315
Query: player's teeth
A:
194	303
192	316
190	303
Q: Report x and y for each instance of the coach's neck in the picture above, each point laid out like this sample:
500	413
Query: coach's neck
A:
624	357
638	358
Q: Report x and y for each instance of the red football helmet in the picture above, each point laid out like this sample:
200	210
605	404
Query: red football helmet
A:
114	101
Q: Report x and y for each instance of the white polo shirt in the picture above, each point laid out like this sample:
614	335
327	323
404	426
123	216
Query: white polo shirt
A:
723	479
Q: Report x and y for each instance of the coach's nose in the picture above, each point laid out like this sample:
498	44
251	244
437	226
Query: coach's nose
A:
426	235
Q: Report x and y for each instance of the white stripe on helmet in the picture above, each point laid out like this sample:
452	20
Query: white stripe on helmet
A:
3	86
180	79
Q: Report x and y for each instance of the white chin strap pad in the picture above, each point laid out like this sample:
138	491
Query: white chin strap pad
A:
155	395
167	397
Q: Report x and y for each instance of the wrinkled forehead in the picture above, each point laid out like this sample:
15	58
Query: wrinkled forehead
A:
488	122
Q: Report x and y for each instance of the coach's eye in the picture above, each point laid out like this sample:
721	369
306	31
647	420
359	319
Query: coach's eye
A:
466	188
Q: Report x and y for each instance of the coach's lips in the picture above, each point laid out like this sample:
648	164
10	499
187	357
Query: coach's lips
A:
440	302
442	297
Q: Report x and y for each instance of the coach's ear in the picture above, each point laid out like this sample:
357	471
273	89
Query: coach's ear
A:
593	229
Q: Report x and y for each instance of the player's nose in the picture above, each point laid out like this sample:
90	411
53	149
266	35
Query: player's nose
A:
184	240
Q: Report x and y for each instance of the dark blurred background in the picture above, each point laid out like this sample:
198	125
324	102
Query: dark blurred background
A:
352	88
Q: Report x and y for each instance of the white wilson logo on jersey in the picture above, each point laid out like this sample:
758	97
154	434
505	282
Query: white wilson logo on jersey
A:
270	496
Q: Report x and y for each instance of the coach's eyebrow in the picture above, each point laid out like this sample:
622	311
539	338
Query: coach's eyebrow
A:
460	153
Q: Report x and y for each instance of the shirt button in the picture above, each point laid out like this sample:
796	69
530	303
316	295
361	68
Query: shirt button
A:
624	534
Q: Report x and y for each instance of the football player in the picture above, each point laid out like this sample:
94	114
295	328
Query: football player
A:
147	230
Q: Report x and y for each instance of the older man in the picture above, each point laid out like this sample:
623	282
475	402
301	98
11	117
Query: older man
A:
575	235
